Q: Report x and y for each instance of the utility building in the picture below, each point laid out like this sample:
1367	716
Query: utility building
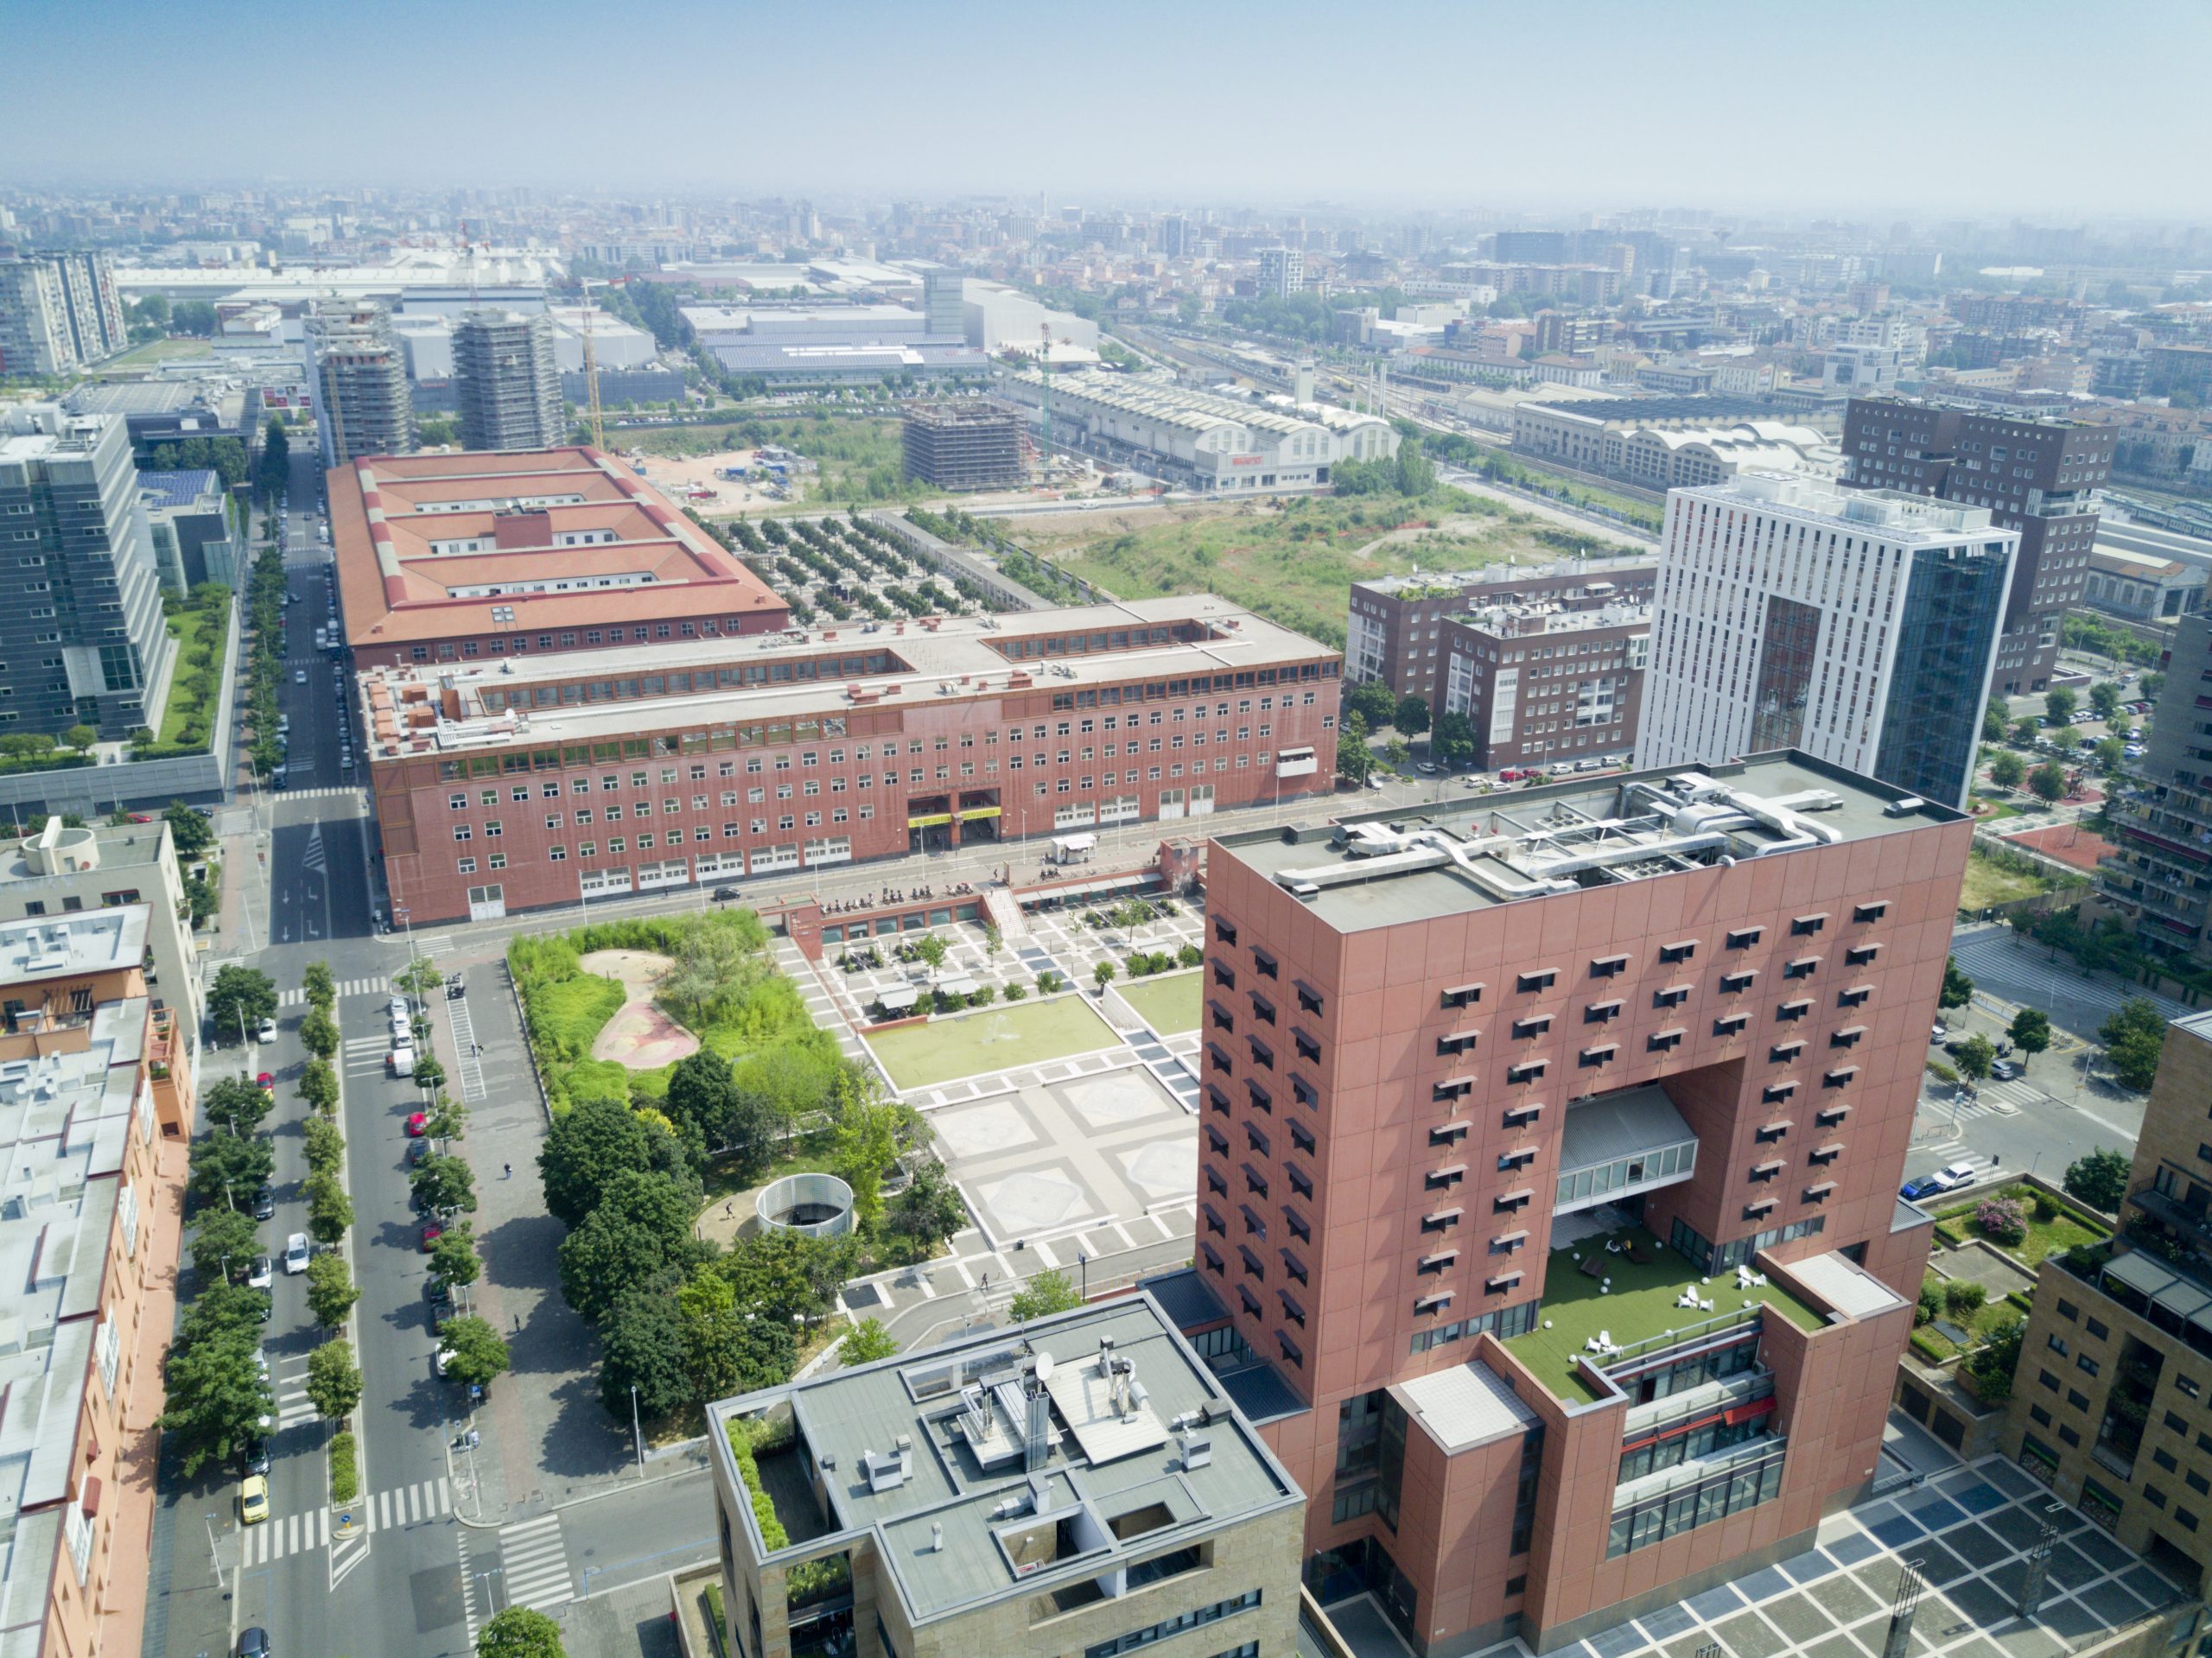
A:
973	445
508	379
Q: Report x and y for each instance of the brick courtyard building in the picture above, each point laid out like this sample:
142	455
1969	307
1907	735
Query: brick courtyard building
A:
1549	1157
503	785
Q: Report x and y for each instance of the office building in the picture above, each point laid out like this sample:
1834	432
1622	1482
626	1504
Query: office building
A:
2160	869
1859	626
944	304
358	379
187	514
82	636
972	445
58	872
1529	247
1570	1122
454	557
96	1106
2109	1404
1545	686
1175	241
1395	625
1078	1484
2039	478
59	313
508	384
1283	273
1197	439
507	786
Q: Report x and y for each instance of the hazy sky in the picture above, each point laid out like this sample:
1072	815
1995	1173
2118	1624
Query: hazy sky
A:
1882	107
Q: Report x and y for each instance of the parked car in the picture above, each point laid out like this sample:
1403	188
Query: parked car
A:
397	1007
1913	1190
417	1151
253	1455
296	1253
1941	1031
431	1233
266	1081
418	1124
2004	1070
253	1643
268	1032
264	1205
299	675
261	1273
400	1061
437	1292
253	1507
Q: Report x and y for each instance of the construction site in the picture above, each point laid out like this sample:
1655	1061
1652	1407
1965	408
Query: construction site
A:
966	445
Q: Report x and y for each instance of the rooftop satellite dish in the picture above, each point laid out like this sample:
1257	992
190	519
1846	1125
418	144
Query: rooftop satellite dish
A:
1044	1367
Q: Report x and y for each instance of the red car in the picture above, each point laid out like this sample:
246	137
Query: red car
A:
418	1125
266	1082
431	1233
140	817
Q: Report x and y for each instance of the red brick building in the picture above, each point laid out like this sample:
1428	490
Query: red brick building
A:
1549	1154
507	786
460	557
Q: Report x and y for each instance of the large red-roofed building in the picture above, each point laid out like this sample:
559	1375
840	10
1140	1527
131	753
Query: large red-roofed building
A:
471	555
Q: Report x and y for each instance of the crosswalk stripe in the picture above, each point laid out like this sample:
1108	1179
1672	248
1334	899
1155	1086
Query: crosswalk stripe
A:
534	1560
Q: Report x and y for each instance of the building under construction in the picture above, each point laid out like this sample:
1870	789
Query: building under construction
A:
975	445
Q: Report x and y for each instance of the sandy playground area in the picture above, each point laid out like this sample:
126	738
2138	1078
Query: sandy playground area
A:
639	1036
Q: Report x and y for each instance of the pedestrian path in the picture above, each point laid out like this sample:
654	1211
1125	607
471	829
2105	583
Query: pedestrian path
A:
405	1505
468	1065
374	987
534	1564
2009	969
820	1006
319	794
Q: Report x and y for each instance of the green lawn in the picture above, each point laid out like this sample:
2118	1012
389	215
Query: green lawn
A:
1169	1003
1986	884
156	351
191	628
1640	1304
1294	560
2062	1232
990	1039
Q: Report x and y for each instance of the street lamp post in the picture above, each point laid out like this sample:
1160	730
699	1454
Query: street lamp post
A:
1083	1260
637	1432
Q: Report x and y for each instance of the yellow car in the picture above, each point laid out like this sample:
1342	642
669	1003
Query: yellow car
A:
253	1500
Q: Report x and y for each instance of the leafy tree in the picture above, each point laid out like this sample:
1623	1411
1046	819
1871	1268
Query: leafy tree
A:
787	1277
2007	770
2099	1179
331	1290
2104	697
443	1183
222	1233
641	1228
2060	705
2109	752
1394	753
2134	1038
1976	1055
318	1085
2030	1032
730	1344
929	1212
1958	989
749	1138
702	1100
189	833
1048	982
2047	782
215	1396
240	999
1039	1297
642	1345
421	979
430	1074
1451	740
322	1143
322	989
1411	715
453	1257
1993	1364
478	1353
2153	682
333	1379
597	1140
330	1211
447	1119
2023	733
867	1141
319	1033
865	1342
235	1104
929	950
80	737
1993	722
1373	700
230	1168
1354	760
1102	974
520	1632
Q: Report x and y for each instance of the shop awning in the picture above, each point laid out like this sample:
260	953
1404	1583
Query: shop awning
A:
929	820
970	814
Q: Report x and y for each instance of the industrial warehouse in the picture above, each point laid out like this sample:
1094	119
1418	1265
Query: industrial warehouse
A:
1198	440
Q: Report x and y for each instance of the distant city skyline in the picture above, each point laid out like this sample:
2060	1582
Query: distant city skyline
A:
1414	106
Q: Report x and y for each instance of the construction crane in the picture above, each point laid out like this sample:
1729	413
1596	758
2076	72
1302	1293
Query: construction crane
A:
1045	368
593	417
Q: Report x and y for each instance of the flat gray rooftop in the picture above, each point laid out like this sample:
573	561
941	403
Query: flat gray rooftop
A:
959	1519
1385	868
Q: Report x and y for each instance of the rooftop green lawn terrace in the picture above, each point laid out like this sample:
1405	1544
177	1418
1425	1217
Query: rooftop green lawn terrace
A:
1640	1305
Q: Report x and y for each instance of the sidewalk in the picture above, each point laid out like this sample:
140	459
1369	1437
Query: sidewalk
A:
547	1439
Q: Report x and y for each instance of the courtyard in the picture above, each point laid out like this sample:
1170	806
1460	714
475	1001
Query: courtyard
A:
990	1039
